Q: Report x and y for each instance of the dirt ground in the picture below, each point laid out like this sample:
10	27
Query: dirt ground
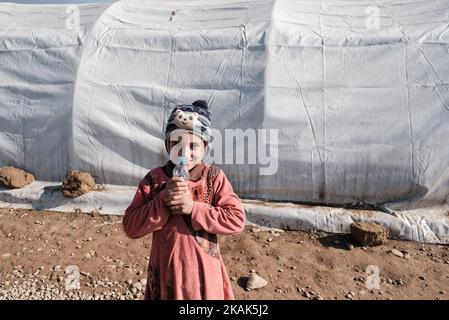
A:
37	246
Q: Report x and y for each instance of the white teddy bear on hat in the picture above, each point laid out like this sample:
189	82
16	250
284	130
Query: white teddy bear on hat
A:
186	120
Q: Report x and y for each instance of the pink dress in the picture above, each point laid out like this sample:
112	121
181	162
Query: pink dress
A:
185	260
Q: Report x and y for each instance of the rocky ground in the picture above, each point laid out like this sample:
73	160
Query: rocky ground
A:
42	250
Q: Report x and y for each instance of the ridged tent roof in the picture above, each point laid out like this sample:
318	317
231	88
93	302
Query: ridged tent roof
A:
361	112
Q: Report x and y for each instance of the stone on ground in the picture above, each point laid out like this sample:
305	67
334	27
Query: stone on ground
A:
255	282
369	233
77	183
15	178
397	253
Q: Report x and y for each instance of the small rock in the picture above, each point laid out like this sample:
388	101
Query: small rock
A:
255	282
77	183
397	253
15	178
252	271
6	255
369	233
277	232
138	286
349	246
255	229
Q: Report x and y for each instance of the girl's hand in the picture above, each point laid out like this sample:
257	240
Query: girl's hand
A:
176	186
179	199
180	203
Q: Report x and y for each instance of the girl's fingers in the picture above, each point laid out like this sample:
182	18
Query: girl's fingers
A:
175	179
176	184
175	197
179	190
176	209
171	203
181	184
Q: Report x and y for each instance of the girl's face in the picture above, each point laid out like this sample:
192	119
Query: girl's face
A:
187	145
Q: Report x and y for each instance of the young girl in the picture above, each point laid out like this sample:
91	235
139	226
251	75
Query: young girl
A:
186	217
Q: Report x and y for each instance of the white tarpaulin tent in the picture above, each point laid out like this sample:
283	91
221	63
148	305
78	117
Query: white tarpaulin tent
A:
39	59
357	91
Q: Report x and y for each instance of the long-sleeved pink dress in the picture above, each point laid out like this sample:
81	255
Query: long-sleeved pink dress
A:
185	261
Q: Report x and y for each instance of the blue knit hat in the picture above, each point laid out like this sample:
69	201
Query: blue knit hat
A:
193	117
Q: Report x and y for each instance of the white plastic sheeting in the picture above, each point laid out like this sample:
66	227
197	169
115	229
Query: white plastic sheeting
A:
45	195
361	112
430	225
